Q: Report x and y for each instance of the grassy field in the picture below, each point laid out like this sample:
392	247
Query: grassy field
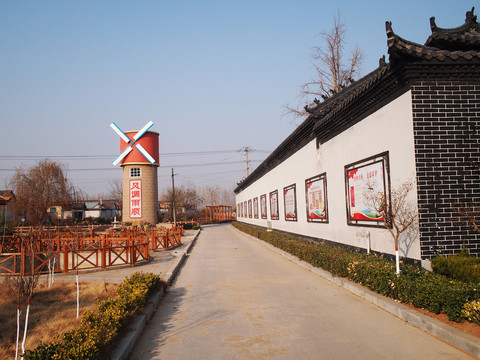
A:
53	311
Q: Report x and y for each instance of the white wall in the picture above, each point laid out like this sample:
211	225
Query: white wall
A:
388	129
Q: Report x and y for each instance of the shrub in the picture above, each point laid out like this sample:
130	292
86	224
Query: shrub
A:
471	311
415	286
459	267
98	329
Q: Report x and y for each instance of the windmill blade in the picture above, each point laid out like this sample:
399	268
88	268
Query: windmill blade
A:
122	155
145	153
120	132
143	131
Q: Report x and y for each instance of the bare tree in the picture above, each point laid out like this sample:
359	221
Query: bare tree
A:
227	197
192	197
212	195
38	188
184	195
398	215
116	191
25	285
469	212
333	70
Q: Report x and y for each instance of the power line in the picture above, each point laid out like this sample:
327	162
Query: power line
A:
161	166
100	157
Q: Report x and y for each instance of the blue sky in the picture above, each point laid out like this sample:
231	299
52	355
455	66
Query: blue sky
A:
214	76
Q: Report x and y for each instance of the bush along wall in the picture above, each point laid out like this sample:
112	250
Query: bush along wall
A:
459	267
99	329
423	289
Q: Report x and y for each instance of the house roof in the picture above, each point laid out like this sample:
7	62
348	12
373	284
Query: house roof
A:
90	205
6	196
448	53
464	37
101	204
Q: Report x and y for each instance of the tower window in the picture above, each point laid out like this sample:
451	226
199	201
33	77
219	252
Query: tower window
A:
135	172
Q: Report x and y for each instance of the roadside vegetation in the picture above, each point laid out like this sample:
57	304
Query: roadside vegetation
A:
435	292
53	311
56	333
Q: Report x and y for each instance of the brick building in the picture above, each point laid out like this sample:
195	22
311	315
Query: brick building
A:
416	117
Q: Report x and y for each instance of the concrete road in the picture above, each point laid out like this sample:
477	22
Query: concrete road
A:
236	299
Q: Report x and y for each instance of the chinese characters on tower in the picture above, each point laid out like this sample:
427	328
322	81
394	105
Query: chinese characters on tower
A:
135	198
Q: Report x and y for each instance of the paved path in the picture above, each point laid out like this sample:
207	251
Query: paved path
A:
236	299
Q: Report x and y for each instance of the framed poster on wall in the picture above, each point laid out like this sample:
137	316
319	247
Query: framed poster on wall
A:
316	198
255	207
366	180
290	202
263	205
245	211
274	205
250	208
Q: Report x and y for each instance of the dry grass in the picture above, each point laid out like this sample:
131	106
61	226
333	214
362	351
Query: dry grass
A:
53	311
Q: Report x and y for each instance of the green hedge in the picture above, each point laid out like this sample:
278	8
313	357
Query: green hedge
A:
415	286
98	329
458	267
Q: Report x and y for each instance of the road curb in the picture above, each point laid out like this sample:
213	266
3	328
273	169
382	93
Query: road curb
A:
125	345
449	334
175	267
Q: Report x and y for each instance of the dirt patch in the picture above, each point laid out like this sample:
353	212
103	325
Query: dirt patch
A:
53	312
467	327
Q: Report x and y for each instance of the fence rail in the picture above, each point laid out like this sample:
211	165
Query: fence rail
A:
62	250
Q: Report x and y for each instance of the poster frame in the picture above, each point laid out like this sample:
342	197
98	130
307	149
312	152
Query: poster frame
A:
379	158
272	215
264	215
320	177
285	190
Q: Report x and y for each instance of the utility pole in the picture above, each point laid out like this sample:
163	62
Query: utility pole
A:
246	149
174	210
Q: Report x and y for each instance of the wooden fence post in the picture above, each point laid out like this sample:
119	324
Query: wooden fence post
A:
22	265
153	237
133	250
65	258
104	252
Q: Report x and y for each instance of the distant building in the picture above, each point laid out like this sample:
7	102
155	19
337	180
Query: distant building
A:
417	117
185	211
7	205
81	210
107	209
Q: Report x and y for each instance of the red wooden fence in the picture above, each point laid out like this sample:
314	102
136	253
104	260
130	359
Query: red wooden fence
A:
64	250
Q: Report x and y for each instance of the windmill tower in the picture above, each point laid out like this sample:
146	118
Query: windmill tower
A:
139	158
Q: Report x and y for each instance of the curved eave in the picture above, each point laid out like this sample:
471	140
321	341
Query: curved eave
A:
467	41
398	46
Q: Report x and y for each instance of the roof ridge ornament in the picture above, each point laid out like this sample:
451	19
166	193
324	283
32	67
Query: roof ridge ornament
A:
470	22
382	62
470	18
